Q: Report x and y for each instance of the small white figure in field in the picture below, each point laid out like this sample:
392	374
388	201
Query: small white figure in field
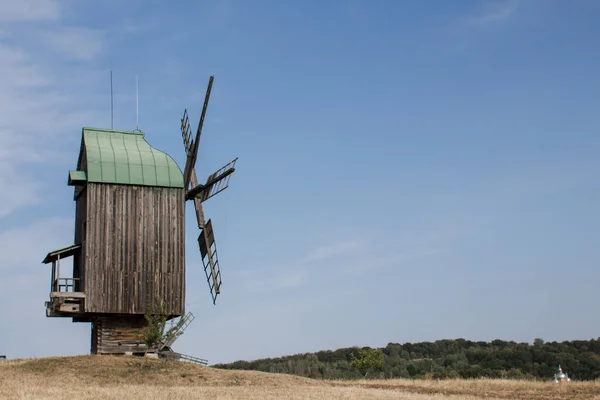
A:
561	376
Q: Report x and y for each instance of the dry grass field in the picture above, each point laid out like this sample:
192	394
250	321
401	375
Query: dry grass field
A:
96	377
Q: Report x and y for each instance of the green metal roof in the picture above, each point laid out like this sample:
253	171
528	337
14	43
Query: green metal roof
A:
77	178
125	157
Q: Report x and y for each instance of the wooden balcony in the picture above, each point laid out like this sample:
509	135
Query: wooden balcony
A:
65	299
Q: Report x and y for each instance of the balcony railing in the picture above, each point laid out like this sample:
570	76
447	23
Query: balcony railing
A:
66	285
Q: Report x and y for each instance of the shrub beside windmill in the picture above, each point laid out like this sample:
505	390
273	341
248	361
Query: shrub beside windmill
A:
129	248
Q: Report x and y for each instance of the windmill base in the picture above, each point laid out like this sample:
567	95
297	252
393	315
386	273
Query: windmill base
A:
118	335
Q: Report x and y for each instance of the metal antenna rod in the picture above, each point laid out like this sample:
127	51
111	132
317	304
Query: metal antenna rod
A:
111	100
137	125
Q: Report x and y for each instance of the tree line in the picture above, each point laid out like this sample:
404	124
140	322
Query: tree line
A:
441	359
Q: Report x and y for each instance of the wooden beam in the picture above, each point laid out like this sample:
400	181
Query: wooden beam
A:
67	295
198	189
68	308
198	203
191	159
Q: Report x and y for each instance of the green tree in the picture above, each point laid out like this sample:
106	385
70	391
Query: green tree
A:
447	359
368	359
155	331
413	370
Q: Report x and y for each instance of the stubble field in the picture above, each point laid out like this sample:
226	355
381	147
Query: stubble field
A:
102	377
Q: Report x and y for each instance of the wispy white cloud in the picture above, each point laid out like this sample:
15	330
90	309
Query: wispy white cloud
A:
46	234
462	33
392	257
334	249
300	272
494	11
39	100
16	191
339	258
25	73
29	10
460	217
291	279
272	278
43	101
295	273
24	277
133	26
79	43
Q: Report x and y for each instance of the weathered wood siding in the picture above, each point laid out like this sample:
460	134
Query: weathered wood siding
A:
135	249
80	228
118	335
80	223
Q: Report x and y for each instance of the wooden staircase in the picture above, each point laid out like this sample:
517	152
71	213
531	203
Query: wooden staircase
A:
171	355
164	349
176	331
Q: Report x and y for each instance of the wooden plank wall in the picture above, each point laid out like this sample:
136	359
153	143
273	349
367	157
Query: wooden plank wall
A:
79	258
80	225
118	335
135	249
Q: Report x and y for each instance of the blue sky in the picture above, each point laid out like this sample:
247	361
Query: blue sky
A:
408	171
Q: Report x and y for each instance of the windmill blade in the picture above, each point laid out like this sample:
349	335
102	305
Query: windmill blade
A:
186	132
210	260
208	249
193	154
215	183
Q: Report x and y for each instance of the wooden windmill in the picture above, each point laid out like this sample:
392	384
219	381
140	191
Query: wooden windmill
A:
129	251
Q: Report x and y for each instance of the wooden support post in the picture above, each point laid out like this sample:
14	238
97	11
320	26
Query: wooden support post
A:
58	269
53	277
